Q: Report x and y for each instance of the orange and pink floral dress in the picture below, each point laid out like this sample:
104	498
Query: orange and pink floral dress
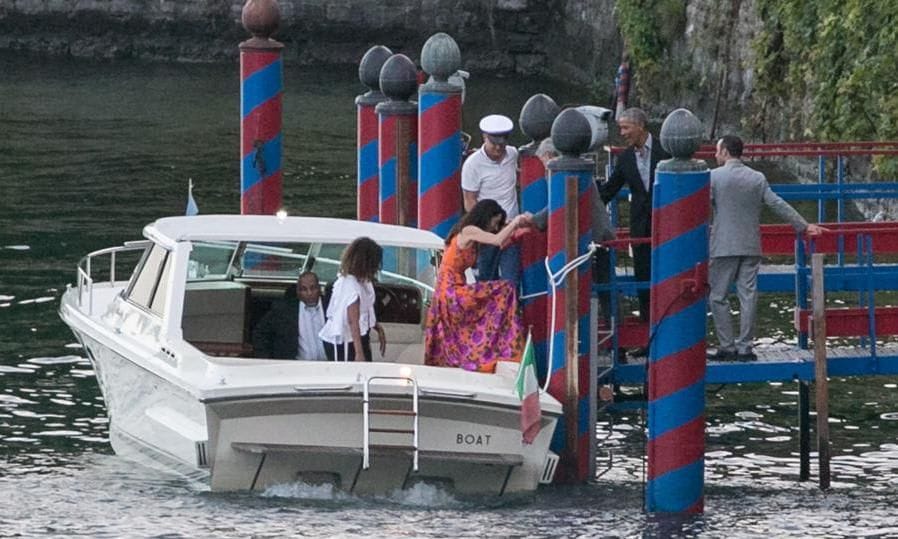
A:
471	326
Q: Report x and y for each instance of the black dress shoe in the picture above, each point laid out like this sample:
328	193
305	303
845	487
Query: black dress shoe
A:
722	355
747	356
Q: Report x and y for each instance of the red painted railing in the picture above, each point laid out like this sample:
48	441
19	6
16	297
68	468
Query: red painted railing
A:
796	149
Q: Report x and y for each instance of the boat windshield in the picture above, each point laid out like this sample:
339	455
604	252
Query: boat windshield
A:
215	261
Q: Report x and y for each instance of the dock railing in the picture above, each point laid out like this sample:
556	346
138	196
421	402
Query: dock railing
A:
864	239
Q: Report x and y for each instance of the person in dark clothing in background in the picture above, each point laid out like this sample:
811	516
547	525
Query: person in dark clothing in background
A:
635	168
290	329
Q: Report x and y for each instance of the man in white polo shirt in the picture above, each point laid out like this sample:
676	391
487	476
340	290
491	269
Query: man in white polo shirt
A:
492	173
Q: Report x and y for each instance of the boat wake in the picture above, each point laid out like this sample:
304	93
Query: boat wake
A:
418	495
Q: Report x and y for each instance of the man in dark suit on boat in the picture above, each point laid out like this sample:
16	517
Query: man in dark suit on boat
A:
290	329
635	168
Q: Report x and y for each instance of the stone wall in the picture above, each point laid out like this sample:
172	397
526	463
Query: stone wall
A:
572	40
568	39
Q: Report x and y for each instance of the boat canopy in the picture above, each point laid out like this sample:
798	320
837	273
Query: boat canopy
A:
270	228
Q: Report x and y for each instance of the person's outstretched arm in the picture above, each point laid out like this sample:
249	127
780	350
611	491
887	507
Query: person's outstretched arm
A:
353	315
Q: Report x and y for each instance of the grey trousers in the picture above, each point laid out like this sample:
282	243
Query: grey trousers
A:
723	271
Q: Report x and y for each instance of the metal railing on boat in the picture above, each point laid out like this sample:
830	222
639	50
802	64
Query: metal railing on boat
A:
84	275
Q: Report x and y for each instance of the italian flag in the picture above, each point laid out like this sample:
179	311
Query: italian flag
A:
527	388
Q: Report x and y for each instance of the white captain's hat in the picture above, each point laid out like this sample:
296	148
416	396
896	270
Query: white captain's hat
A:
496	124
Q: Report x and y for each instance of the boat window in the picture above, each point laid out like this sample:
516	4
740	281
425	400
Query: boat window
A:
277	261
158	303
405	265
282	262
211	261
145	284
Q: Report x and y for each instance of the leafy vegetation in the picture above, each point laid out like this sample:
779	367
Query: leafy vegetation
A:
835	61
649	29
824	69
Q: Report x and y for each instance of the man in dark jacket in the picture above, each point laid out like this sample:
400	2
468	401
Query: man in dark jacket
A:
635	167
289	330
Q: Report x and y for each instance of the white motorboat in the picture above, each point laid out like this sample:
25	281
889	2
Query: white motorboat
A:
171	348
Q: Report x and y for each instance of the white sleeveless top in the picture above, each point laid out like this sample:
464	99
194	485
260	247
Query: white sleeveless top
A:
348	289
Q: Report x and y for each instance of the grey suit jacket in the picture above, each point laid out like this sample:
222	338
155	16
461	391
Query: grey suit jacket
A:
738	194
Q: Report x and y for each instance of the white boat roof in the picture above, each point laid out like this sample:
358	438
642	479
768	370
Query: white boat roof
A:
269	228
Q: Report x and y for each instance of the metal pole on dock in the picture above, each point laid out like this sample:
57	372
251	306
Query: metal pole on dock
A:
536	119
676	364
804	432
398	133
820	374
569	223
439	137
261	87
368	193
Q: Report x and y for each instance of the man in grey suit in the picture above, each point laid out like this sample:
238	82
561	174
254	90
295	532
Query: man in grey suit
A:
738	194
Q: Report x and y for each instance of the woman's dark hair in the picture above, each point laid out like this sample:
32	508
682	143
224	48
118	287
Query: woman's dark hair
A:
480	216
362	259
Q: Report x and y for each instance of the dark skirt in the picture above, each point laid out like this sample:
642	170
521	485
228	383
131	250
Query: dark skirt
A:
335	352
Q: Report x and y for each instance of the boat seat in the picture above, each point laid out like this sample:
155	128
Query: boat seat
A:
215	317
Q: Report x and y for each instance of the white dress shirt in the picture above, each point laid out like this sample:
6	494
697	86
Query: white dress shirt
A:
311	320
644	162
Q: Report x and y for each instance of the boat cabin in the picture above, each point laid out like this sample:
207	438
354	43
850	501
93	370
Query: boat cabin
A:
214	277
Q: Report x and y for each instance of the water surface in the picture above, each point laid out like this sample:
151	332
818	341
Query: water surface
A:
92	152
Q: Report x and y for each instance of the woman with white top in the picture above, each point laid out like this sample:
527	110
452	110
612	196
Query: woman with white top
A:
350	313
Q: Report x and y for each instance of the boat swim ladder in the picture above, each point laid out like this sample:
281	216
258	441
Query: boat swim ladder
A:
367	412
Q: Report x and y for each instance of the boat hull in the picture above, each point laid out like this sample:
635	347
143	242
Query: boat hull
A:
202	416
468	447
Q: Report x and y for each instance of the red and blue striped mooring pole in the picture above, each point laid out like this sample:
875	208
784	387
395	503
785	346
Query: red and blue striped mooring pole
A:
261	87
397	134
535	120
439	137
368	190
570	221
676	368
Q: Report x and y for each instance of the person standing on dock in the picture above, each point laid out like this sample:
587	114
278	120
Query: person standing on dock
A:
635	167
491	172
738	194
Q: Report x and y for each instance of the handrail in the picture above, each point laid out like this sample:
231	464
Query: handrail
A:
797	149
366	425
819	191
83	274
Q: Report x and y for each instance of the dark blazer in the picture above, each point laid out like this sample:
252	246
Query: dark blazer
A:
276	335
625	172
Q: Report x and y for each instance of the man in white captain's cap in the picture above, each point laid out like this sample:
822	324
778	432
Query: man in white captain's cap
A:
492	172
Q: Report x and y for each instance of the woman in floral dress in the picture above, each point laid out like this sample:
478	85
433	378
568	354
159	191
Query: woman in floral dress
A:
473	326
